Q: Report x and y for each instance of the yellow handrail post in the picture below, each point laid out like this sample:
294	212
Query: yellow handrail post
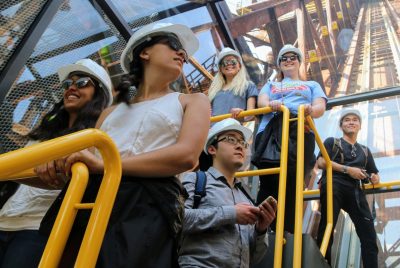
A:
101	212
329	188
66	216
298	227
280	218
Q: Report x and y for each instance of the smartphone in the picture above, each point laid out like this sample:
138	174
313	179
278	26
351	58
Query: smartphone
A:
272	201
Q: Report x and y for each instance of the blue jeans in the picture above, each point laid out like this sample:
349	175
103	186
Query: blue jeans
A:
21	248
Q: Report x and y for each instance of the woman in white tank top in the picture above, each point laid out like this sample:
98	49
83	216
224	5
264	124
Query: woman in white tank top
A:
159	133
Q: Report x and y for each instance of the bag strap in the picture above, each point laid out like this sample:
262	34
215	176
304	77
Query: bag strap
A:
336	149
246	191
365	150
373	210
199	188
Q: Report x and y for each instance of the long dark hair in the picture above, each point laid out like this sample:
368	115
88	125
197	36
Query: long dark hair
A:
55	122
130	82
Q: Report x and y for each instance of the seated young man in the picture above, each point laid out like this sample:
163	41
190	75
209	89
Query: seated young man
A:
224	229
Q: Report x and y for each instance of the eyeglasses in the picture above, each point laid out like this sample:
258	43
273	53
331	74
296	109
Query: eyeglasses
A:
234	141
174	44
292	58
232	62
80	83
353	151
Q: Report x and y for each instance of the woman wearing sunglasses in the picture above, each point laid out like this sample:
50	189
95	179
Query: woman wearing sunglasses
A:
87	91
231	91
159	133
292	92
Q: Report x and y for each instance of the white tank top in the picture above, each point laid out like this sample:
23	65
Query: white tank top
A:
145	126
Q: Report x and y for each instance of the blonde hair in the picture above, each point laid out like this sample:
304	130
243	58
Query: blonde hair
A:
238	86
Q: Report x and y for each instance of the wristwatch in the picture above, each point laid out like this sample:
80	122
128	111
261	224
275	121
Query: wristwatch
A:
344	169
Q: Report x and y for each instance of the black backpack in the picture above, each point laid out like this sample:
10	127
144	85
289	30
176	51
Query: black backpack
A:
200	189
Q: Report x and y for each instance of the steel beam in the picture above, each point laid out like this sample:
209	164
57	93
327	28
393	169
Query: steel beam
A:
364	96
114	16
218	15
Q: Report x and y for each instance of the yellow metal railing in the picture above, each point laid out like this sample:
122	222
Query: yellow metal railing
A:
381	185
18	164
300	192
297	252
279	240
282	170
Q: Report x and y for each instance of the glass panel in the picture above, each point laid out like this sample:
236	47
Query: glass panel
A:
144	10
352	51
77	31
15	18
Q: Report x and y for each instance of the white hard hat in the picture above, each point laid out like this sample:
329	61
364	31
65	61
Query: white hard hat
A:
227	51
289	48
185	35
94	70
348	111
226	125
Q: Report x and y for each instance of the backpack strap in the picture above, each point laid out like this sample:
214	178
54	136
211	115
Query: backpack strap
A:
199	188
336	149
365	150
246	191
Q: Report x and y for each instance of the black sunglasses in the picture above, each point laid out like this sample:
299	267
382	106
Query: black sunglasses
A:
80	83
173	43
225	63
292	58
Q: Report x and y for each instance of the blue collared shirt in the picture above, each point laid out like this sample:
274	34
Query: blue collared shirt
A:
211	236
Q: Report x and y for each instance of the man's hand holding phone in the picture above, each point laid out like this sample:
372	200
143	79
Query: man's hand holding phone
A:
267	214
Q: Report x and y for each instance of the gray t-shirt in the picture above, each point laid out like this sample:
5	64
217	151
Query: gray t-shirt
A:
225	100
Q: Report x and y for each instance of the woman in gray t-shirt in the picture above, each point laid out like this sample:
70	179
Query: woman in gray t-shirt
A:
231	91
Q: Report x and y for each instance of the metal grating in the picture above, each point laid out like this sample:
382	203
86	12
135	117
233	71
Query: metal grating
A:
77	31
16	17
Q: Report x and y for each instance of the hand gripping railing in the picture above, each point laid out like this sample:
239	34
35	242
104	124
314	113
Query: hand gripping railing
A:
19	164
282	170
300	191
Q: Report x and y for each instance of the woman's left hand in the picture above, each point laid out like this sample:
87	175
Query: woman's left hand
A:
235	112
307	109
94	164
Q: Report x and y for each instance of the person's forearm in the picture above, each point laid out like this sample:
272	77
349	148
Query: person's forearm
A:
198	220
335	166
38	183
318	110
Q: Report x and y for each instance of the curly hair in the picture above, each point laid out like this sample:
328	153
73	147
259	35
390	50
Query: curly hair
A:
55	123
